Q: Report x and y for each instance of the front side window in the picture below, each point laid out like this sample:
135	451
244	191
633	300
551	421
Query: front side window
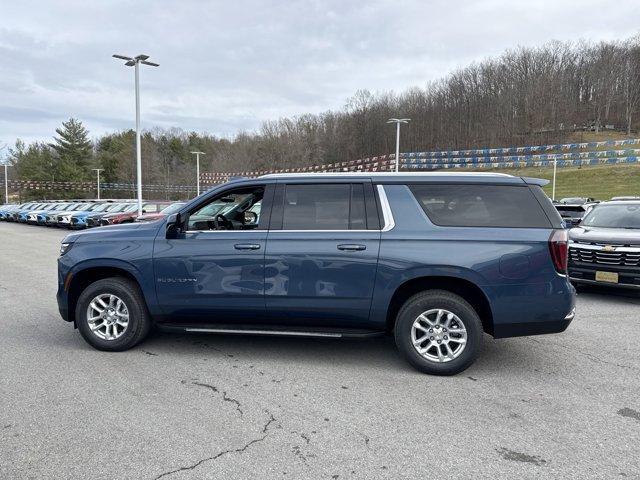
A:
232	210
463	205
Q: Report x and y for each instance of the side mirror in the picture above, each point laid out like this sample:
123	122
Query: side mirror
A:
174	225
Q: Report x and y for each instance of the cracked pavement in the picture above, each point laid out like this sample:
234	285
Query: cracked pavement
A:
226	407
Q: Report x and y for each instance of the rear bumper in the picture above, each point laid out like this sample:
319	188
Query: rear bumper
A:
534	309
533	328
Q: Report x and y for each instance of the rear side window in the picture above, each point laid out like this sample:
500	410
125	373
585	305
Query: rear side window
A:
480	206
324	207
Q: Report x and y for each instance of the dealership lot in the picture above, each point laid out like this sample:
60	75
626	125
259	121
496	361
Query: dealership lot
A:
195	406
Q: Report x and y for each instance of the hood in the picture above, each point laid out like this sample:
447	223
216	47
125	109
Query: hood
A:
615	236
125	230
151	216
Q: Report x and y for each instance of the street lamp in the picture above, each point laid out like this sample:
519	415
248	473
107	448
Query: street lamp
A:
98	170
6	183
135	62
398	121
197	154
6	180
555	168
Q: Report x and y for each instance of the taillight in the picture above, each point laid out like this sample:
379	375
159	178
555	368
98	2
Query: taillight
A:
559	248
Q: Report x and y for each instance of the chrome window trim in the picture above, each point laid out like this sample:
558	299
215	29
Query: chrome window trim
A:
387	214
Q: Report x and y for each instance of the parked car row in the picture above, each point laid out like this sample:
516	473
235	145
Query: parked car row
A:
85	213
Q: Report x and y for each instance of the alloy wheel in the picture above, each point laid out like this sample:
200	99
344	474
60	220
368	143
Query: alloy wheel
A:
439	335
107	316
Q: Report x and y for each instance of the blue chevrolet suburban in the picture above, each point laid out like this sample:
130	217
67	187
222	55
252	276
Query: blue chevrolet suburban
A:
436	259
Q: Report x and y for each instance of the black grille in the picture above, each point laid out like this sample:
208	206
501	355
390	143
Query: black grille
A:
601	257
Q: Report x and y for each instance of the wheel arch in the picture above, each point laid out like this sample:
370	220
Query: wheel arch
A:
84	277
466	289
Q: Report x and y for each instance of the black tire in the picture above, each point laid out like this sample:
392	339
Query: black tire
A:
438	299
139	318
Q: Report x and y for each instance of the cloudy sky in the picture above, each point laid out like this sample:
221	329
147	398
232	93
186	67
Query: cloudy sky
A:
226	66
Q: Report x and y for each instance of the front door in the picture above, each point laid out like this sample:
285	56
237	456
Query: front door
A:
322	255
213	273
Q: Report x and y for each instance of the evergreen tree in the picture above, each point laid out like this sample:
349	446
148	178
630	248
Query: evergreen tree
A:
74	150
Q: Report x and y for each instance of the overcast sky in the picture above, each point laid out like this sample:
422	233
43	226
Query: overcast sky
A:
225	66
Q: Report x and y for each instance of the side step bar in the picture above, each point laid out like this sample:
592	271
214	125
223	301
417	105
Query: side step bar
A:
264	332
285	333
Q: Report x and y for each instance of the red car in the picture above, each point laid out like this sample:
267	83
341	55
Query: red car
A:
149	217
130	214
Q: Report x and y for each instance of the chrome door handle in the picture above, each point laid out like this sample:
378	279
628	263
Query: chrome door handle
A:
246	246
351	247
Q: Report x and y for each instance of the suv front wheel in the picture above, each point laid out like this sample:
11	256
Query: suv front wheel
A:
111	314
438	332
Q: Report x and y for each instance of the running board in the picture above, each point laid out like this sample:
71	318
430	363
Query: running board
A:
287	333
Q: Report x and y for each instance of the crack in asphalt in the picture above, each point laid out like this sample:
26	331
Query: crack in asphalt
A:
225	397
269	422
240	450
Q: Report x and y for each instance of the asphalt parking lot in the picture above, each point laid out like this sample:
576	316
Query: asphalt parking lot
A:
195	406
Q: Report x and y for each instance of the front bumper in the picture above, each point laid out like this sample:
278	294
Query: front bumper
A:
586	275
62	296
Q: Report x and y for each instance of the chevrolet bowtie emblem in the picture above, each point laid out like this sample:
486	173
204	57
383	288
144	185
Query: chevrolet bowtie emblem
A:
609	248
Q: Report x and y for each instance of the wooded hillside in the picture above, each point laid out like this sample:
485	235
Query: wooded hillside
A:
525	96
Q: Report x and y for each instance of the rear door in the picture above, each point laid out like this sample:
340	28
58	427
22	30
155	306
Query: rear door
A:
322	254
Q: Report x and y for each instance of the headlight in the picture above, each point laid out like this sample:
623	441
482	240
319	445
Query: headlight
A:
65	247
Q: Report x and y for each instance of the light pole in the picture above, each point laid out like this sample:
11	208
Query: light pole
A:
6	179
135	62
553	189
6	184
98	170
197	154
398	121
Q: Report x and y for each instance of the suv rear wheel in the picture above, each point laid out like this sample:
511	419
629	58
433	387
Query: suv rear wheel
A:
438	332
111	314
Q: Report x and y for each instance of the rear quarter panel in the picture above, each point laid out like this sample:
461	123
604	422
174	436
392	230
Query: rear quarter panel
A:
512	266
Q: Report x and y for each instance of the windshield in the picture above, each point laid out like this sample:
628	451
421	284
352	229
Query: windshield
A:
173	208
101	207
118	207
82	206
614	216
97	207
